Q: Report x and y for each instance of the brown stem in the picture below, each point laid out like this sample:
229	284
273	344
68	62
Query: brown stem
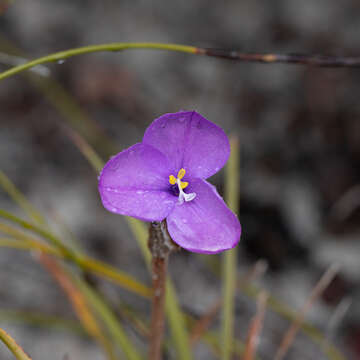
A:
159	268
301	59
160	245
255	327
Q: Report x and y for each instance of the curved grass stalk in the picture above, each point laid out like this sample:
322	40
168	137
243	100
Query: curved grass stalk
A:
62	55
266	58
18	352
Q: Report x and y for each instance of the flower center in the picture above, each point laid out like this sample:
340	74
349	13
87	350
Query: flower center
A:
181	185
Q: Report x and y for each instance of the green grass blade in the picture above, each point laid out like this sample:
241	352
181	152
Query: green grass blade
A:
13	346
111	273
230	257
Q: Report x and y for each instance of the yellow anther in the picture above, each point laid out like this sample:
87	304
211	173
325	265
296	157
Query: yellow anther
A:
181	185
172	180
181	174
184	184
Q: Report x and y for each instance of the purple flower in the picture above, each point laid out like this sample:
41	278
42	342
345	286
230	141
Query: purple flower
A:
164	177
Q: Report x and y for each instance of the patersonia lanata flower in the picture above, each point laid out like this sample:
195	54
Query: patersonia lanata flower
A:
163	177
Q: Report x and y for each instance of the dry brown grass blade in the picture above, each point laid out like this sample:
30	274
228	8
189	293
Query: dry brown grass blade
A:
77	301
203	324
290	334
255	327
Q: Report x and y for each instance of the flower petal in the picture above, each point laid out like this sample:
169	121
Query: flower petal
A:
189	141
135	182
205	224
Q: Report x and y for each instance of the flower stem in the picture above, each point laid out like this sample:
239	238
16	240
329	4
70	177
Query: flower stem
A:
160	245
159	269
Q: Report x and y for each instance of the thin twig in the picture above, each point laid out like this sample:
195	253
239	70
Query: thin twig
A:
160	245
255	327
159	269
300	59
290	334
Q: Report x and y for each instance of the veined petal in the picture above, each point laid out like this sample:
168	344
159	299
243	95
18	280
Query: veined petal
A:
205	224
135	182
189	141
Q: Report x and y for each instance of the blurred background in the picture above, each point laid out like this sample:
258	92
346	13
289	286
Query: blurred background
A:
299	132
